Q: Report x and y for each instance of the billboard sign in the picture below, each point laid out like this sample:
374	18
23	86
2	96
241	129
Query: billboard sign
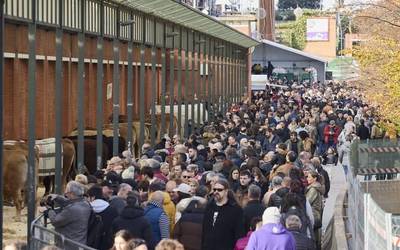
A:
318	29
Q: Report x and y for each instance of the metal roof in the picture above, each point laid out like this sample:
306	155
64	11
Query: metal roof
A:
296	51
186	16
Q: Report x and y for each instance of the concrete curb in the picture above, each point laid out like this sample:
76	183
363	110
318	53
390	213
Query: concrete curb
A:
335	234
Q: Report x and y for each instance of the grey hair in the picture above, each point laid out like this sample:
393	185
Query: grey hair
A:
254	191
154	164
157	196
210	175
276	181
192	167
76	188
124	186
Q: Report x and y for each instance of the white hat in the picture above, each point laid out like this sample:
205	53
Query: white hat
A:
128	173
271	215
183	188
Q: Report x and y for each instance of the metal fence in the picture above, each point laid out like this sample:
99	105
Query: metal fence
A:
375	157
89	43
43	235
370	226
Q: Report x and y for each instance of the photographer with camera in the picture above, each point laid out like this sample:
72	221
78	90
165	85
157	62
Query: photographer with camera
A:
71	219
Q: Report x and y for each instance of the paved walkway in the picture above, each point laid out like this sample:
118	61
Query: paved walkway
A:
337	177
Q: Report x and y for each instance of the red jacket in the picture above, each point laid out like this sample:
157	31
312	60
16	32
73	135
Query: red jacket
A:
335	135
241	243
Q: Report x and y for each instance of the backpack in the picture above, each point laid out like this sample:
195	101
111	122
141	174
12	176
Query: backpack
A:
95	230
305	221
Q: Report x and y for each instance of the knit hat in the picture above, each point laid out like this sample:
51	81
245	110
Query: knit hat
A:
128	173
154	164
271	215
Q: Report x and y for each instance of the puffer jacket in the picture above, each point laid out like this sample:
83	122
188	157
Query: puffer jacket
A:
188	230
314	194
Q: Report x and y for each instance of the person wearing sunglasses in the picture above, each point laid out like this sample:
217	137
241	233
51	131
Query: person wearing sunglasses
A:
221	226
187	175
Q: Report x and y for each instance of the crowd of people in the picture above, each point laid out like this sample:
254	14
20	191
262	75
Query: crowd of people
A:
254	178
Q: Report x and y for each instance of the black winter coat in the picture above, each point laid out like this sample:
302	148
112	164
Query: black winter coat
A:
253	209
227	228
363	132
302	241
133	220
276	198
188	229
107	217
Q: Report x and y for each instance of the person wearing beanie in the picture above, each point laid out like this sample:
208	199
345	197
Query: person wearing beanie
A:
272	235
168	205
293	224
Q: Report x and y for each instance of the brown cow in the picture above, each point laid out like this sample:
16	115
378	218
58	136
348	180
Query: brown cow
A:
89	148
15	175
123	131
122	119
90	138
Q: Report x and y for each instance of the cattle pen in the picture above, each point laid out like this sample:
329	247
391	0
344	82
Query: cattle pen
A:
71	64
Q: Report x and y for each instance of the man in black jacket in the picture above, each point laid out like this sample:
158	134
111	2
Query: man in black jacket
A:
254	207
363	131
293	224
222	225
132	219
107	213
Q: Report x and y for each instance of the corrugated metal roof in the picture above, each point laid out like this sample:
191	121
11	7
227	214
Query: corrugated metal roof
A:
296	51
189	17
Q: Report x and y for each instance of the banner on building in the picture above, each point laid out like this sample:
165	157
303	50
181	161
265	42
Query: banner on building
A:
318	29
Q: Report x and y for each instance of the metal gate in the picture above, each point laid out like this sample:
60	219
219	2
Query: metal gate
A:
91	58
42	235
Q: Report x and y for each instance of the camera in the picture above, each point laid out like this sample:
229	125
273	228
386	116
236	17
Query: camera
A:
47	201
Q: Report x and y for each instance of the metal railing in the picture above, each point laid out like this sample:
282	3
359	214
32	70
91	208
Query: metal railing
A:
375	157
370	226
43	235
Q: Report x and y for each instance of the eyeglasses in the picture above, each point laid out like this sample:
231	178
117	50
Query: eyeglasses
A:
218	189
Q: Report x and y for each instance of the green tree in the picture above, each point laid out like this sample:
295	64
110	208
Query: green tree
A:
295	34
304	4
379	59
